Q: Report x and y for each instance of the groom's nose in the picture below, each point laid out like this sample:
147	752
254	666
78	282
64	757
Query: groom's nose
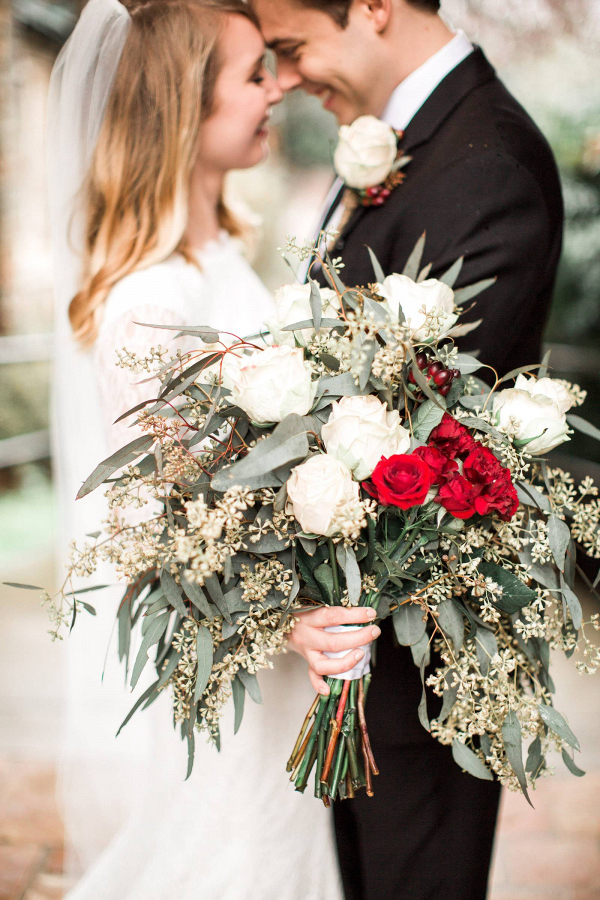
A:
288	76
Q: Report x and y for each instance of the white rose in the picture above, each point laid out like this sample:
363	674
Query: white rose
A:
537	420
360	431
292	304
270	384
416	301
546	387
316	488
366	152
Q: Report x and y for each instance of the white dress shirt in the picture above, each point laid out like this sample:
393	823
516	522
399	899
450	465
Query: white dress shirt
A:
403	105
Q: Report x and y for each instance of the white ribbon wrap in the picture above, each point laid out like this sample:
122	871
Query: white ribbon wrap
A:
362	667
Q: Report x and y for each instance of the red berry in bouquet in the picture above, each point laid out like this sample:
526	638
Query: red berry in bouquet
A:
441	465
452	438
403	480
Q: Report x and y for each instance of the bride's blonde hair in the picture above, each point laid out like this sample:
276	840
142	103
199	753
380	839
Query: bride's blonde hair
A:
136	193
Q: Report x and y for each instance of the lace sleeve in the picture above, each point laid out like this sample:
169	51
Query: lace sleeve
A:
121	388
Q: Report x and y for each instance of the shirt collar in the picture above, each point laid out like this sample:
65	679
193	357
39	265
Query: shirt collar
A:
411	94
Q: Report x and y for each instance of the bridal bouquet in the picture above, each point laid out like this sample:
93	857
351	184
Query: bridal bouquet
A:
351	455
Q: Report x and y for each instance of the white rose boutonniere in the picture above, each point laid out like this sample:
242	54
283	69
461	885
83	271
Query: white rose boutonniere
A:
366	159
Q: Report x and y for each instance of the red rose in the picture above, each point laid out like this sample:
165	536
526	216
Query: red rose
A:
452	438
440	464
499	497
481	466
403	480
458	496
485	487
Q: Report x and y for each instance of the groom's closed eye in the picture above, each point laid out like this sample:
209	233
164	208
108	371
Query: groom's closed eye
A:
284	49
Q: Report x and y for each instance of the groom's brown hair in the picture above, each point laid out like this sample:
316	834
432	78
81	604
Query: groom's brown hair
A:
339	10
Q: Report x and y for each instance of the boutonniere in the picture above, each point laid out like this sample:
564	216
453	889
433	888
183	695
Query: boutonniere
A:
369	159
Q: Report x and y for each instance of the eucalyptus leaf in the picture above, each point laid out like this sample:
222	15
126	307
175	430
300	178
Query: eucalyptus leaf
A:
513	744
174	660
309	323
423	715
486	647
467	364
191	742
250	682
411	269
410	624
451	276
152	636
239	697
145	696
559	538
449	698
377	270
24	587
286	445
115	461
172	592
584	426
463	295
428	416
213	586
204	651
530	496
535	758
514	373
206	333
570	764
196	595
421	651
452	623
469	761
515	594
557	723
572	601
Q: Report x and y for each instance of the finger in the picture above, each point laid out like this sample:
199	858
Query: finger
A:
318	639
319	684
338	615
323	665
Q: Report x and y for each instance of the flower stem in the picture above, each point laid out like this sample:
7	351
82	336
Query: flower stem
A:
335	730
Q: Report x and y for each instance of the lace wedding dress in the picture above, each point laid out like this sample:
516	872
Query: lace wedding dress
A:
236	830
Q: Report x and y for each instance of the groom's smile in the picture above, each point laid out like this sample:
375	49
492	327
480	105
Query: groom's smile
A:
338	64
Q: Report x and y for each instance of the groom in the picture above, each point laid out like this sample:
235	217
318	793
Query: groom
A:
483	184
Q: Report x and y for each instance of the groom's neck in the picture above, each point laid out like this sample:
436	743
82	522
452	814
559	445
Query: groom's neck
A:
412	40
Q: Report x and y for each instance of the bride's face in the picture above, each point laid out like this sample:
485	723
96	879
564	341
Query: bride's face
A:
234	136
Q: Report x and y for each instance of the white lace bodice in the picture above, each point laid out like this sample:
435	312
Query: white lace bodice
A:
223	291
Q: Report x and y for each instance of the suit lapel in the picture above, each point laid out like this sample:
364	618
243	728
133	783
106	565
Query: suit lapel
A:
472	72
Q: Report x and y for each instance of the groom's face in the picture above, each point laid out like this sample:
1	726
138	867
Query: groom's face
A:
317	55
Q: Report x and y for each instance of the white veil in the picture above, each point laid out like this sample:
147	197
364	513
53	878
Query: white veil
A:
98	775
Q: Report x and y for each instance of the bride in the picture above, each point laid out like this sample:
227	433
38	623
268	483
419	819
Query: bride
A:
152	102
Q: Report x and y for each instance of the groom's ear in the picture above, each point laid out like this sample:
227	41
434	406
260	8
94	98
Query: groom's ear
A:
377	12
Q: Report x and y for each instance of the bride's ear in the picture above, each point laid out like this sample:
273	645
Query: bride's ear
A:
378	13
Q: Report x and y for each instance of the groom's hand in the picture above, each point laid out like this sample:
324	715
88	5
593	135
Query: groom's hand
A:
310	640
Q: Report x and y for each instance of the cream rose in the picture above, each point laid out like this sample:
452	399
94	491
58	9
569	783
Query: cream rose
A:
316	488
292	304
270	384
366	152
417	301
546	387
360	431
536	423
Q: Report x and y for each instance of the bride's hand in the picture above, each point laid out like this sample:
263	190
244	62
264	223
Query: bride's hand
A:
310	640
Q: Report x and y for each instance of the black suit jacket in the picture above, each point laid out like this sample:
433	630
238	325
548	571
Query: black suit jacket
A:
483	184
